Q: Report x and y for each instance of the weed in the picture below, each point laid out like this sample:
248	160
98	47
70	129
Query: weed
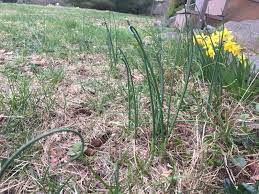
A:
132	96
156	85
22	96
112	43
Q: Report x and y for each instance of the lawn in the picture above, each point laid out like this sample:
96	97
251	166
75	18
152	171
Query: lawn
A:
115	108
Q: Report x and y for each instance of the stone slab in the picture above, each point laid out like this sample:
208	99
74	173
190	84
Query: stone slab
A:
239	10
246	33
255	61
180	21
215	7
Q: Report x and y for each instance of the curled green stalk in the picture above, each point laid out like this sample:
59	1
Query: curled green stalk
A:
112	46
8	162
132	96
155	92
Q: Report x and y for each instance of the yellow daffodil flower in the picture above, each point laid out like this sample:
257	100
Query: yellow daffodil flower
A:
210	52
233	48
211	42
200	38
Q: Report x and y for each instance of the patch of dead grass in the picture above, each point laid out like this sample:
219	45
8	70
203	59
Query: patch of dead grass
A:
184	161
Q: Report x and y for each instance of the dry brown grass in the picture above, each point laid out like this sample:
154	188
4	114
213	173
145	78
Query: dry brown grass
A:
184	167
197	157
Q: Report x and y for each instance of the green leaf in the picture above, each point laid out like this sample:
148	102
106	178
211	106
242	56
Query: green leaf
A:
2	162
229	187
244	117
246	188
75	149
239	161
257	107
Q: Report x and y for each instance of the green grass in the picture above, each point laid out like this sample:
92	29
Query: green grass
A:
140	107
58	31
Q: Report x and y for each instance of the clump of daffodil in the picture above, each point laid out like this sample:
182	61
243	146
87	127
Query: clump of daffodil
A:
200	38
210	43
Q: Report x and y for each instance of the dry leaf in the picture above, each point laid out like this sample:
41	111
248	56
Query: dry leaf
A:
167	173
9	53
255	178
